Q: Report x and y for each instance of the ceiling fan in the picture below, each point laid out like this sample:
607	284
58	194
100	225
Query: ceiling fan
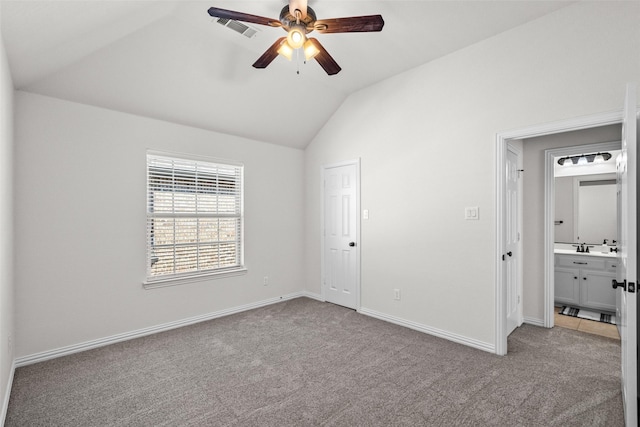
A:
298	20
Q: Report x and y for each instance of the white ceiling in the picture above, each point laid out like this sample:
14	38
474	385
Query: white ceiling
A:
169	60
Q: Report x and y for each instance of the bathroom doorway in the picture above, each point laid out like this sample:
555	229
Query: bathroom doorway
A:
581	196
537	236
626	271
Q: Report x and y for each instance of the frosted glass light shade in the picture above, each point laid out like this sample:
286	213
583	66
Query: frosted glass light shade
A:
285	50
310	50
296	38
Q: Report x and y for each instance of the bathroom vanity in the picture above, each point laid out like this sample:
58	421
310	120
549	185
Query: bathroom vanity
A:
584	279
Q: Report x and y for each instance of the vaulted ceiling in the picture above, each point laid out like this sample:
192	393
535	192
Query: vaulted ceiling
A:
171	61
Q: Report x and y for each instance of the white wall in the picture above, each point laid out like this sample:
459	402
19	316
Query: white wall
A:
533	230
81	227
6	227
427	143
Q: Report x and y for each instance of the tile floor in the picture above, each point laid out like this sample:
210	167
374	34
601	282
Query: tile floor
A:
588	326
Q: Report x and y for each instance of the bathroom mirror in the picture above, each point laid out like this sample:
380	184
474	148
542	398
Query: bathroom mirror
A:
586	209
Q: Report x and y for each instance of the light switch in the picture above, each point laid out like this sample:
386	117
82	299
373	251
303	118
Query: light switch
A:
472	213
365	214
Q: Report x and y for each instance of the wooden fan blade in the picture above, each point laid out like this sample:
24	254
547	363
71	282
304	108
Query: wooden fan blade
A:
269	55
354	24
324	59
245	17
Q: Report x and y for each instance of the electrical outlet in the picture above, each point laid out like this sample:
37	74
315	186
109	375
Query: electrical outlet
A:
265	280
396	294
10	345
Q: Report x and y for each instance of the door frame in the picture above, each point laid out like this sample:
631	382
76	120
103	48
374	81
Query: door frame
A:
323	169
502	139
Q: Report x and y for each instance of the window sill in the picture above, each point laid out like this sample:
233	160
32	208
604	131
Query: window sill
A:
175	281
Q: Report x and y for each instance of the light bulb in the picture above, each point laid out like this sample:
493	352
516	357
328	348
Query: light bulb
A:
296	37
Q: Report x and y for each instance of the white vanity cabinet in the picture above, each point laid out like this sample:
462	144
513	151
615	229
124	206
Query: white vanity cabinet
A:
566	286
585	281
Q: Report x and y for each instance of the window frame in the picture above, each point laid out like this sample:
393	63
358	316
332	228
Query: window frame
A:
177	278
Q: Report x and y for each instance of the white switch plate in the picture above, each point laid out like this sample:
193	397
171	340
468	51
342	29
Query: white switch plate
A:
472	213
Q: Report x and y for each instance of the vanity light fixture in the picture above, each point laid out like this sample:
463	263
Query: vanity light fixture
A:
584	159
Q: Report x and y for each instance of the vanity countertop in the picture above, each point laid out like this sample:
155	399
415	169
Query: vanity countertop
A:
595	252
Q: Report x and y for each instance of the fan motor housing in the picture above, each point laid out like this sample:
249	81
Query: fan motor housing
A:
288	20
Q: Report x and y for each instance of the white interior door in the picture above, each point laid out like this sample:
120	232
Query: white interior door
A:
627	273
341	235
512	235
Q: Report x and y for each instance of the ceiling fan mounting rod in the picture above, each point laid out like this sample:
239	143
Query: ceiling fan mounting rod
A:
289	19
296	6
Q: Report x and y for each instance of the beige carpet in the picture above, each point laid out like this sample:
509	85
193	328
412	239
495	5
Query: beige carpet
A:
303	362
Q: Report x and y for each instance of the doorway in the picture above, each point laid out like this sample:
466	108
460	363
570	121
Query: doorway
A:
578	234
626	265
546	236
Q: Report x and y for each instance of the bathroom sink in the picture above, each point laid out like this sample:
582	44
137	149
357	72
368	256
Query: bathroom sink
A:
592	253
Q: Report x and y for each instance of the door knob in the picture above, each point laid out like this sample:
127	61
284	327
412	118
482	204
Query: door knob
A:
623	284
509	253
352	244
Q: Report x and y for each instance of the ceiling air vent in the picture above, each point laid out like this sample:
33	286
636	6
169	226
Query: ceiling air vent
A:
238	27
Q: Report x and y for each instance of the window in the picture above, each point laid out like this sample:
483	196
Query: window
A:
194	217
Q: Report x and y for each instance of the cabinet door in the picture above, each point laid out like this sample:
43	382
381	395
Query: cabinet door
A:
567	290
596	291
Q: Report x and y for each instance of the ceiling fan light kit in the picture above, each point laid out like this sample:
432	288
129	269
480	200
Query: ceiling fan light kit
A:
296	37
298	20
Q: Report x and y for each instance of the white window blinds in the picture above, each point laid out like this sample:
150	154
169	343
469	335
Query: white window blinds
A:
194	217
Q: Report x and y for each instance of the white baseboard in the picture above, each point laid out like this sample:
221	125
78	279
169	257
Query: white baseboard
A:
431	331
5	403
101	342
312	295
534	321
